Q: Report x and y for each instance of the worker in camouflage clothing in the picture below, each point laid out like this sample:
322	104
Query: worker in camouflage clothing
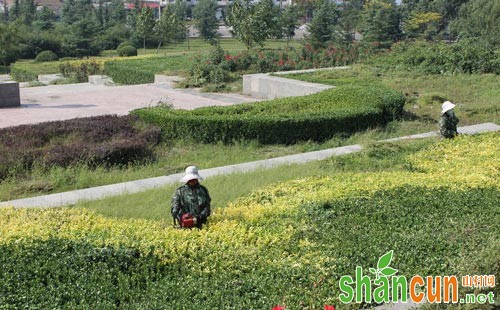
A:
448	121
191	201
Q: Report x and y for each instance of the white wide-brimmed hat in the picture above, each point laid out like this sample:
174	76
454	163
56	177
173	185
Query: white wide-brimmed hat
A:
191	174
447	105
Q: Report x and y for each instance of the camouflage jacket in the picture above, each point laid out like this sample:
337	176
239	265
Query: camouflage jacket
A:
191	199
448	125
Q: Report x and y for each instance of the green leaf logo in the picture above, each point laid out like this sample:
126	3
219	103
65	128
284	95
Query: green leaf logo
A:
383	269
385	260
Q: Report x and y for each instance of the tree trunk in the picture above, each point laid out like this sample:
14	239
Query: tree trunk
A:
158	48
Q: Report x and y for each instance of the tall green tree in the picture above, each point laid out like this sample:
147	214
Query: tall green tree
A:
447	8
168	26
182	11
145	24
45	19
81	39
15	11
348	22
5	12
117	13
100	14
205	20
133	14
419	17
252	23
289	21
9	40
80	28
322	27
269	15
422	25
73	11
380	22
479	19
27	11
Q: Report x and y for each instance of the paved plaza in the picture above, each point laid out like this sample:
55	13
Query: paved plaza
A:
60	102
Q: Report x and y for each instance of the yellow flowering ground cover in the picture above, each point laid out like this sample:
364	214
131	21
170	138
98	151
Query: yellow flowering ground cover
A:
286	244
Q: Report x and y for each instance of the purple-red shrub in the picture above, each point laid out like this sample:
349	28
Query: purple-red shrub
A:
103	140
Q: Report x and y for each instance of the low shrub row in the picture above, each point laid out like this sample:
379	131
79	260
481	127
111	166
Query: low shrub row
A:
143	70
21	73
103	140
315	117
216	67
81	69
464	56
288	244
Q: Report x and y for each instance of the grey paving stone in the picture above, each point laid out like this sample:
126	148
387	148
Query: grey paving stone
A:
61	102
470	130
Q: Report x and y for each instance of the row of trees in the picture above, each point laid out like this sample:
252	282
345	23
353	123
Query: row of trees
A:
384	21
84	29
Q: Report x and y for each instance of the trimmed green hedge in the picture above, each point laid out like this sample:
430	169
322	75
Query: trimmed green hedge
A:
127	75
21	74
143	70
315	117
28	70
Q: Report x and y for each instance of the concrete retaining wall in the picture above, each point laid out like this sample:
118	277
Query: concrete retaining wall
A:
266	86
9	95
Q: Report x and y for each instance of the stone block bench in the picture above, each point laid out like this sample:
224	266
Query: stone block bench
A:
49	78
9	95
100	80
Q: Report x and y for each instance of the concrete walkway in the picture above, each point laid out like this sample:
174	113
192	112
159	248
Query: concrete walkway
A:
61	102
68	198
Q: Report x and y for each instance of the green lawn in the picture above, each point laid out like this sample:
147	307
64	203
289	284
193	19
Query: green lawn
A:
49	67
183	53
195	45
154	204
28	70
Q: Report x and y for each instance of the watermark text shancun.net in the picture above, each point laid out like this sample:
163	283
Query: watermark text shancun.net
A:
389	287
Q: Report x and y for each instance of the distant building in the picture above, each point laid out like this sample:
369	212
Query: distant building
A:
156	5
54	5
221	4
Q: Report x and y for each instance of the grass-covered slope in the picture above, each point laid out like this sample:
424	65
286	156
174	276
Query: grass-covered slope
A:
287	244
315	117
